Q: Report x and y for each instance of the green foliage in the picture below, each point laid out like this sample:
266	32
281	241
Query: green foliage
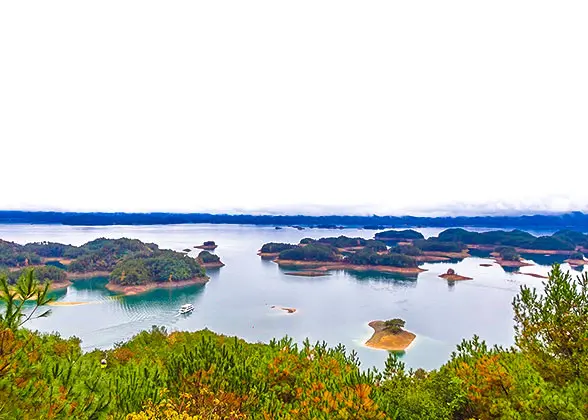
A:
394	325
53	250
377	246
437	245
508	253
410	250
367	256
343	242
103	254
158	266
577	256
15	255
275	247
14	299
550	328
399	235
42	274
311	252
207	257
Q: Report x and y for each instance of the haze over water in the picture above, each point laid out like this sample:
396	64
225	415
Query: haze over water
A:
238	298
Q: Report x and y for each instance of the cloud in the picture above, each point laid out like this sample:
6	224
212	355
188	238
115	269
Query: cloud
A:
311	107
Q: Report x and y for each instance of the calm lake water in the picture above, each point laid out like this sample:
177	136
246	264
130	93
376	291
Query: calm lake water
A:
238	298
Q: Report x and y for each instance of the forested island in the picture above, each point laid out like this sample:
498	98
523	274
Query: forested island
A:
209	260
161	375
401	251
132	266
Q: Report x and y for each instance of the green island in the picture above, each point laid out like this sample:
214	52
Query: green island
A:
209	260
132	266
402	251
202	375
207	245
343	253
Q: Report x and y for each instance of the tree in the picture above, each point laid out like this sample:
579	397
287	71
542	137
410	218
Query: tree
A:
550	328
15	297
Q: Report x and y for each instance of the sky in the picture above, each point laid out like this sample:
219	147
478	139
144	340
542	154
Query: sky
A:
305	107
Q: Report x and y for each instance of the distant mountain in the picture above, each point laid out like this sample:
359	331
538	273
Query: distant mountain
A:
574	220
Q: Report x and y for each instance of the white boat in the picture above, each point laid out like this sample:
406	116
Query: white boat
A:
187	308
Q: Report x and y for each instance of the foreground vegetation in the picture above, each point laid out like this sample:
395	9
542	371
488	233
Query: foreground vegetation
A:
202	375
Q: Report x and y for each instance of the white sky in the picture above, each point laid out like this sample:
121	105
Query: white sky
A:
355	107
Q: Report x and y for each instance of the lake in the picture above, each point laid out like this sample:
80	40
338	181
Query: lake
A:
238	298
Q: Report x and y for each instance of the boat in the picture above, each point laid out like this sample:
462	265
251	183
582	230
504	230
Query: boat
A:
187	308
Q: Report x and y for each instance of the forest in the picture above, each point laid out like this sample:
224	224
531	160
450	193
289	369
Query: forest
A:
128	261
202	375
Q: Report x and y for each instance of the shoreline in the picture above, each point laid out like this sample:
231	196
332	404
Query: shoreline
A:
334	265
60	285
454	277
522	250
449	255
143	288
212	264
383	339
206	247
87	275
576	263
507	263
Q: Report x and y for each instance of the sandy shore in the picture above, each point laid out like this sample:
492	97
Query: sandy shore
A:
143	288
268	255
68	303
386	340
289	310
308	273
60	285
506	263
450	255
539	276
206	247
454	277
521	250
576	263
88	275
64	261
212	264
430	258
335	265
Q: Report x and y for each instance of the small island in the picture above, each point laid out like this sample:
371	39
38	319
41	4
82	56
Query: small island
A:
208	260
451	275
508	256
390	335
576	260
207	245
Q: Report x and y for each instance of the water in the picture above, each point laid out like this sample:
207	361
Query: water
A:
238	298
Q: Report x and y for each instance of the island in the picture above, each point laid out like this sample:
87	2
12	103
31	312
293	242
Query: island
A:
208	260
576	260
340	253
399	235
451	275
390	335
508	256
130	265
207	245
273	249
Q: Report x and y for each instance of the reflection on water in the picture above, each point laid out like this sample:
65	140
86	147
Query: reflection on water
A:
545	259
336	308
